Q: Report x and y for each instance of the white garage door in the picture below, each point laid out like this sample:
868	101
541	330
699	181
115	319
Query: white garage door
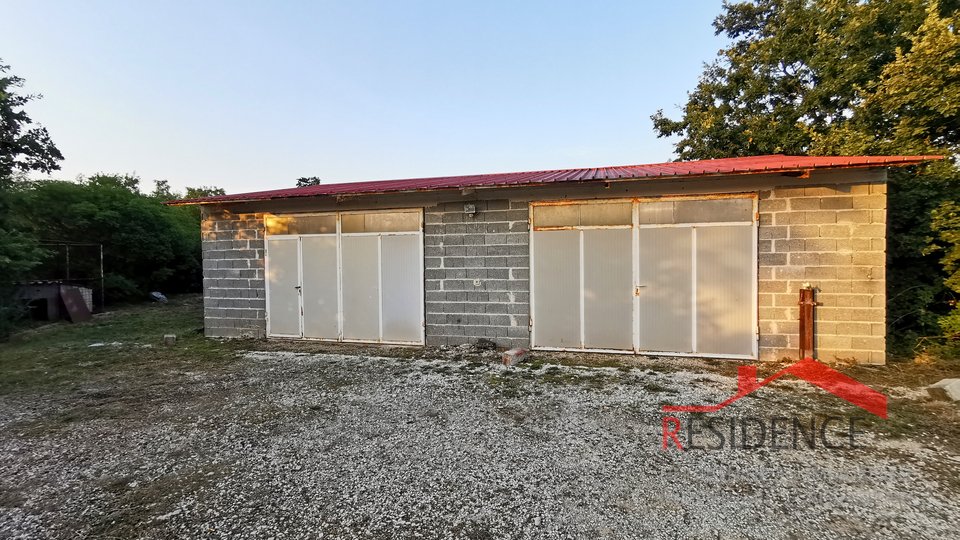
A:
349	276
662	276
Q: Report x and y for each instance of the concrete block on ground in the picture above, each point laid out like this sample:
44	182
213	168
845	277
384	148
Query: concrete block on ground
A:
515	356
169	339
945	390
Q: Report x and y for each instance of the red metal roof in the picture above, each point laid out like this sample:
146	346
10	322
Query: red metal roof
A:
675	169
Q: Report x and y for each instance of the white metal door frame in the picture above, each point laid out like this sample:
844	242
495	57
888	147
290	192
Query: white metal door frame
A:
380	236
635	238
266	283
339	235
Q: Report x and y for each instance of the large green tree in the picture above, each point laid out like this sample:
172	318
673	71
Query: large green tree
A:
147	245
844	77
24	147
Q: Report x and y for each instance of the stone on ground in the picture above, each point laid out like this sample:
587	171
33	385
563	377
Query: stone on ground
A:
946	390
514	356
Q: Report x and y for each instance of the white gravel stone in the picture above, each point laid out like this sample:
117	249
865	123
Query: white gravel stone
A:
333	446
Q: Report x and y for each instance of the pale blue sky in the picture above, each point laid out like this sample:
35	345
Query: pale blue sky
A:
251	96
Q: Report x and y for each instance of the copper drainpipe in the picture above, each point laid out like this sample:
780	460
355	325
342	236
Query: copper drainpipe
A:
806	321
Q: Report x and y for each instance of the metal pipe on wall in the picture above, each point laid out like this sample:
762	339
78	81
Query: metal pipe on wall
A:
806	321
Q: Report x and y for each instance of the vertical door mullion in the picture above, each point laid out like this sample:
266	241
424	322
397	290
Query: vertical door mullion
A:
300	280
693	289
266	283
339	282
531	323
423	294
380	286
635	259
756	293
582	290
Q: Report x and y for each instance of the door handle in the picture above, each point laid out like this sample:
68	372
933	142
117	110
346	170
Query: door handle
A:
636	290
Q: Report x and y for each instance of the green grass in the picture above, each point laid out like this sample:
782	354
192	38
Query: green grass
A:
60	353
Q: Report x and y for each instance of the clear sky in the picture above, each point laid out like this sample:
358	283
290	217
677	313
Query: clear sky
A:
250	96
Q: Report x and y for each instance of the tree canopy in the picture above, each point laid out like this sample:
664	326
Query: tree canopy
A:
24	145
147	245
305	181
843	77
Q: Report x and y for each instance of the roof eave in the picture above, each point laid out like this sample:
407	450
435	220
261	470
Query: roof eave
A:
879	163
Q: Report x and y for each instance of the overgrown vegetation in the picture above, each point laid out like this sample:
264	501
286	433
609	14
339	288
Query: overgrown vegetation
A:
147	245
849	77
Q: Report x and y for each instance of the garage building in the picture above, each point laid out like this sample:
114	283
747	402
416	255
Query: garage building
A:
701	258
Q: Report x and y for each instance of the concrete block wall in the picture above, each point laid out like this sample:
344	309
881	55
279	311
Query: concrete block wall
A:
234	302
477	273
833	237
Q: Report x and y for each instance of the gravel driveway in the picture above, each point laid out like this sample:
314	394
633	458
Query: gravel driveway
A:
281	444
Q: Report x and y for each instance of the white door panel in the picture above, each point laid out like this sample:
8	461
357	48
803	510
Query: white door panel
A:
665	291
283	281
320	306
402	310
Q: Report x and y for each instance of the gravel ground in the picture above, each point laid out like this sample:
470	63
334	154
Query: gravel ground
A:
283	444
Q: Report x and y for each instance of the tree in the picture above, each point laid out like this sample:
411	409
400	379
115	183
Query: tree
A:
147	245
843	77
24	147
946	223
203	191
305	181
162	191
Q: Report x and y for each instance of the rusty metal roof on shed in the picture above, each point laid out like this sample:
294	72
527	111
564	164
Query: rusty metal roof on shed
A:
776	163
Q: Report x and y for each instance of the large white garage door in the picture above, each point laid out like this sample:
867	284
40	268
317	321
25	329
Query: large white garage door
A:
662	276
349	276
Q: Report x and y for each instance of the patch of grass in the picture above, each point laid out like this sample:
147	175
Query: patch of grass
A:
507	385
60	353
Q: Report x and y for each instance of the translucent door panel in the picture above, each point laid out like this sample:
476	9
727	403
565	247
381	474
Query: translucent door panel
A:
556	281
725	290
666	289
402	305
361	287
607	289
319	255
283	269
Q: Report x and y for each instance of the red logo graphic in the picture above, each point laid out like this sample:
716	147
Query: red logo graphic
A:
810	370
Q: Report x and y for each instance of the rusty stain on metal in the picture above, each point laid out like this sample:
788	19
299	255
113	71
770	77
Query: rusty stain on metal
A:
568	202
769	164
560	228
